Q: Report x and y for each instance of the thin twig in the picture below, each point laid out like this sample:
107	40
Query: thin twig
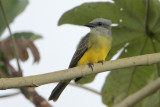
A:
86	88
10	95
29	93
11	36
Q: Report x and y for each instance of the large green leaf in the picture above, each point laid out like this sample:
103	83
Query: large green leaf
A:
86	12
130	15
129	29
114	11
123	82
12	8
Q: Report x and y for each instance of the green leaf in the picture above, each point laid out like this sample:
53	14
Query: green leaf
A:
86	12
141	35
27	35
122	82
87	79
154	16
121	34
12	8
114	11
125	35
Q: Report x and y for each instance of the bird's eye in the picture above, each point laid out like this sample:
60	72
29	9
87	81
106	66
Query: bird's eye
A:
100	23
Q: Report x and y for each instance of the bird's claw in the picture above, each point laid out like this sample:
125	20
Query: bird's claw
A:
100	62
90	65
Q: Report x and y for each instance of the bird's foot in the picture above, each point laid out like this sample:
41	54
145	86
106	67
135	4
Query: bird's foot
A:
100	62
90	65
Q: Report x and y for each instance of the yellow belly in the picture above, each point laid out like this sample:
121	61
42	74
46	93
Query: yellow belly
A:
99	46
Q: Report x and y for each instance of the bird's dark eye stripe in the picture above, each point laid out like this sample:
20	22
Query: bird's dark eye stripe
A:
100	23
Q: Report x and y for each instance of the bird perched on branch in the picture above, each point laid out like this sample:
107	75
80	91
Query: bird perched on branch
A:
92	48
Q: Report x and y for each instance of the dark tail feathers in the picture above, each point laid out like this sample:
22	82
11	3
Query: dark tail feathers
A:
58	90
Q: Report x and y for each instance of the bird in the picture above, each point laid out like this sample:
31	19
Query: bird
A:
92	48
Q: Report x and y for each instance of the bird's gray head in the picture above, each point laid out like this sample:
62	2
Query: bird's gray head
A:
100	26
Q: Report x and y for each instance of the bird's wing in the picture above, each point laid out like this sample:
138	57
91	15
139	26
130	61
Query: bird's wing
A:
81	49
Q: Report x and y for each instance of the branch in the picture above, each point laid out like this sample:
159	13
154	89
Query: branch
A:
10	95
133	99
29	93
32	95
37	80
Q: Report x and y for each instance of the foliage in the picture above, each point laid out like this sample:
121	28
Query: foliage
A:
139	28
12	8
23	40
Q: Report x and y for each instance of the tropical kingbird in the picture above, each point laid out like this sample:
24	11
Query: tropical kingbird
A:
92	48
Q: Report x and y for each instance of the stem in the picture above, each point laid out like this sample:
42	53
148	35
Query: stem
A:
11	36
10	95
86	88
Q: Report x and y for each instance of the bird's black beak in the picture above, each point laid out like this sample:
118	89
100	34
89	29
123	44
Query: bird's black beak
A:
90	25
